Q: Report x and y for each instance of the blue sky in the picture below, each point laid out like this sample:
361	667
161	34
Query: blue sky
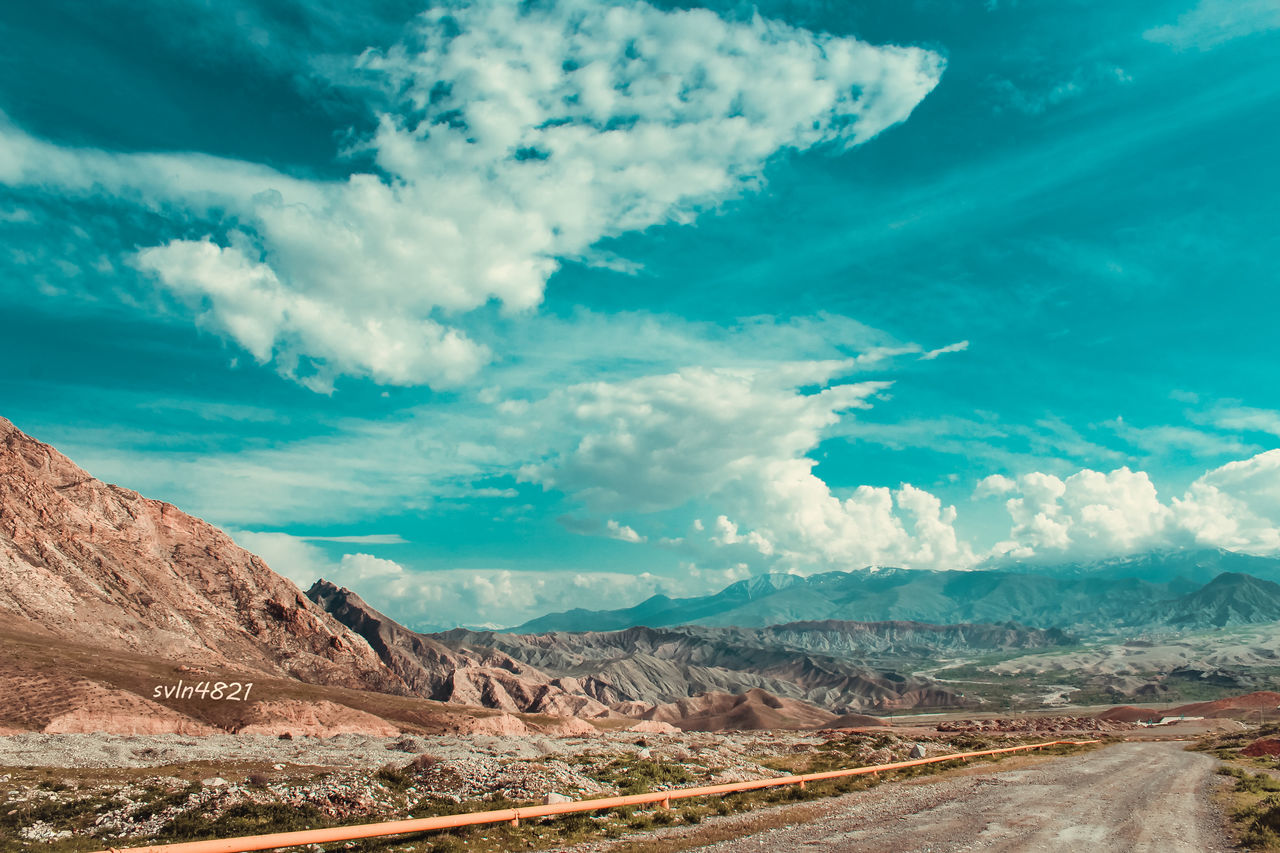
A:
486	310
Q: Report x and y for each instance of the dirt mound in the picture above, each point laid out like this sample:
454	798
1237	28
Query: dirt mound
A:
298	718
568	727
654	727
496	724
1263	700
854	721
755	709
1129	714
1262	746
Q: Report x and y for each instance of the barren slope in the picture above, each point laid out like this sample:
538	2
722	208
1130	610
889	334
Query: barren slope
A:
86	561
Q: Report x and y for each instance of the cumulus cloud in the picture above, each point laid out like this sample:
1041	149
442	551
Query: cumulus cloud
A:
1087	513
658	442
1212	22
508	137
739	439
1236	506
1091	514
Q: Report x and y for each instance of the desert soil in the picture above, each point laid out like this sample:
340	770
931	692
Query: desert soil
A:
1152	797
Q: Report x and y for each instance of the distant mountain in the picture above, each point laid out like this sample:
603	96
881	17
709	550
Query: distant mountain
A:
1198	566
93	563
840	666
455	673
1087	599
1229	599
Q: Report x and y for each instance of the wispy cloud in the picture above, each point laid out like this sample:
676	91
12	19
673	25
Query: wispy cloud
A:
1213	22
959	346
365	539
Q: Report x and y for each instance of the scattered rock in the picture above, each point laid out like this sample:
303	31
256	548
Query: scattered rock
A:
553	798
917	751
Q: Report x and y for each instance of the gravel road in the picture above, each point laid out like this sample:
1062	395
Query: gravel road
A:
1151	797
1132	796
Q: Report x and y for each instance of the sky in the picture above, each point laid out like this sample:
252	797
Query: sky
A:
487	309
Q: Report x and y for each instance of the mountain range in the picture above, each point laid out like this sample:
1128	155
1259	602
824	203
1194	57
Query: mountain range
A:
104	591
831	664
1122	595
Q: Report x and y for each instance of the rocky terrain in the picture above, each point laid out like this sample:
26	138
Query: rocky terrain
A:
60	790
628	672
84	561
459	673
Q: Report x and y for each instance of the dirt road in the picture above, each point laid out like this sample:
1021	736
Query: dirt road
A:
1143	797
1133	797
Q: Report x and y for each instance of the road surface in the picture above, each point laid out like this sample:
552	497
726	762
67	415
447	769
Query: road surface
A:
1142	797
1138	797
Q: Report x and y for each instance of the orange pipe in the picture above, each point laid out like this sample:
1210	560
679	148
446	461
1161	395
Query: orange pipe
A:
513	816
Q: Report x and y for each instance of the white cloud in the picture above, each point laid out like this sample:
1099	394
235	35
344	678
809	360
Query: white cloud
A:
1213	22
659	442
1236	506
1087	514
959	346
249	302
726	533
621	532
1090	514
1167	439
1246	419
364	539
738	439
509	137
439	600
994	484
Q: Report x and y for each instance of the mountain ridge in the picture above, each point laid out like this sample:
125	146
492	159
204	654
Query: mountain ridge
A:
88	561
1068	598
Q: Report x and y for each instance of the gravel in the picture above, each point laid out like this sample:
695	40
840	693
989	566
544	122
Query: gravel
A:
1144	797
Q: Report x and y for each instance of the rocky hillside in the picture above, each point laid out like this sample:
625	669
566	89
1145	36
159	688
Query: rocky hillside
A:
1229	599
460	674
94	563
632	670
